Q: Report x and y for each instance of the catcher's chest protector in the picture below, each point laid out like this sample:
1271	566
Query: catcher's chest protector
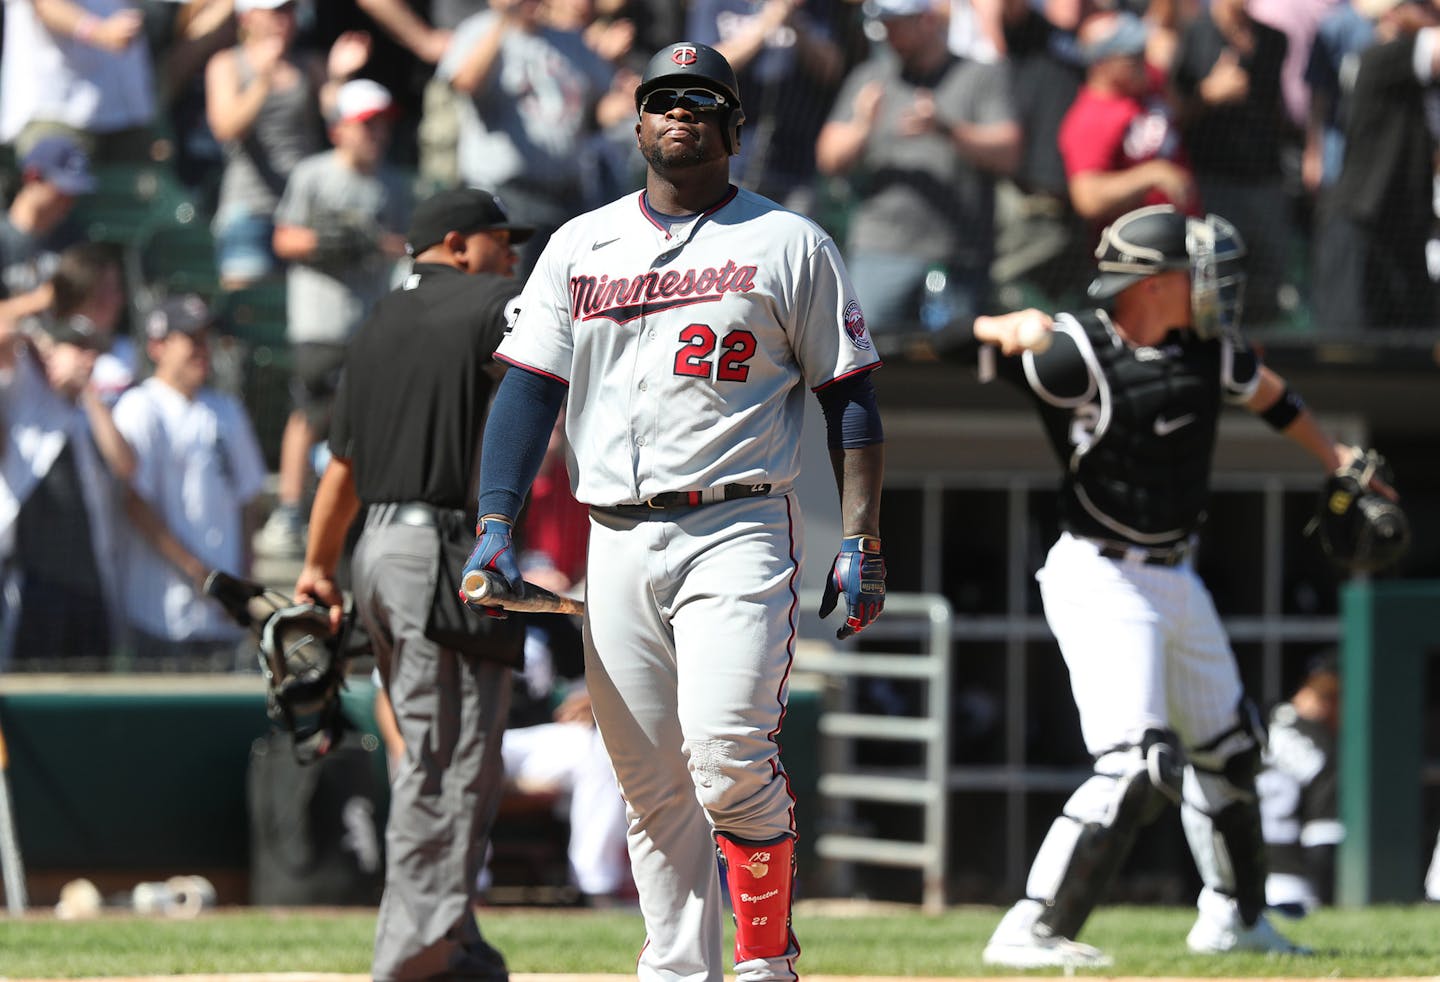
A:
1139	448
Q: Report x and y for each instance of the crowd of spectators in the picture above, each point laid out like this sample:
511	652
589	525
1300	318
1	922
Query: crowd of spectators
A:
965	154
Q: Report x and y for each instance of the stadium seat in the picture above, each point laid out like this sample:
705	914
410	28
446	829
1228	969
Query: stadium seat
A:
256	315
130	199
179	258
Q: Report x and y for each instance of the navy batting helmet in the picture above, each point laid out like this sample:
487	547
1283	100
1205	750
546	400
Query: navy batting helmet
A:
689	63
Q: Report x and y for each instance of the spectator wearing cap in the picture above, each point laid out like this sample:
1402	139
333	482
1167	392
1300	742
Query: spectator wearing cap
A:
339	225
923	136
81	68
192	501
404	446
33	230
535	94
1119	140
266	103
60	460
1227	80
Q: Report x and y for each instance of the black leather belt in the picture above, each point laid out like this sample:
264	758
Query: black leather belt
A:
675	500
1174	557
418	514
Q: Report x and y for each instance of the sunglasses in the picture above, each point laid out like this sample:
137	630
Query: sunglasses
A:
691	100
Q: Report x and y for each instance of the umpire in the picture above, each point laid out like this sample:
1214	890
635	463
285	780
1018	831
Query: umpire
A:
405	439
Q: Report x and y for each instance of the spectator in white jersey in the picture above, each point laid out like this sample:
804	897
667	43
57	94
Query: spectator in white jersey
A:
192	500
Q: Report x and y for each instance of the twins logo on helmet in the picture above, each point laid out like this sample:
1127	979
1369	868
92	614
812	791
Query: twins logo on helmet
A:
683	55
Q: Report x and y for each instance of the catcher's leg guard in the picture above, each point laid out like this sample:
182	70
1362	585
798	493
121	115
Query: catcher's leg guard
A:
760	877
1096	831
1221	813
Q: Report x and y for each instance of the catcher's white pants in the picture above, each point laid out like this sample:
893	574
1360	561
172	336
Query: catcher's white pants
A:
1144	646
689	637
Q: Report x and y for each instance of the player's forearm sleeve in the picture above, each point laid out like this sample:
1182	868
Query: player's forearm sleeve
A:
516	435
852	419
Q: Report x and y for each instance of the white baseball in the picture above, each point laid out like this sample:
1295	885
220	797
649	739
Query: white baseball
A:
1033	335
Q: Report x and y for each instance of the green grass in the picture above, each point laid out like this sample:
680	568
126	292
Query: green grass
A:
1145	941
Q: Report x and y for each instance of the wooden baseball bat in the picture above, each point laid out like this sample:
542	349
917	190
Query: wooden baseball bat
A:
489	590
14	867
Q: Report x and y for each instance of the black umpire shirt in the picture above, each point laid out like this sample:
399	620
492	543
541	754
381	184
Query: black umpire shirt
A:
411	403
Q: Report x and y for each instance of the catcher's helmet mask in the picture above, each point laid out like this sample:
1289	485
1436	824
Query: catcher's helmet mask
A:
1157	239
299	659
1138	245
691	65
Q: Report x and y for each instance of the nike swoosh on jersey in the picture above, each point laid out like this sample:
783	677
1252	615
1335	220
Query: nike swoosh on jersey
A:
601	245
1164	427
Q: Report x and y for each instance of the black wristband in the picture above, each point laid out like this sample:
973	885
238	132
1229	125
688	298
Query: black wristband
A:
1285	409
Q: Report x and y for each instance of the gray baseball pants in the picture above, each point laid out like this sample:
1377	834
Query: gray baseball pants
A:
451	710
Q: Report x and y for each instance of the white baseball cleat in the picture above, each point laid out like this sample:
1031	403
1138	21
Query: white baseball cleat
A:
1016	945
1219	930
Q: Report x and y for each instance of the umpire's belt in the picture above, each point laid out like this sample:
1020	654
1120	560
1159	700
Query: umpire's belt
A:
677	500
1173	556
416	514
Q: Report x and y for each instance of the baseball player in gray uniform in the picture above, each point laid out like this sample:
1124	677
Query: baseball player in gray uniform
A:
684	323
1131	399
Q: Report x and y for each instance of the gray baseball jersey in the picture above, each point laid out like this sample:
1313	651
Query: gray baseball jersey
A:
682	346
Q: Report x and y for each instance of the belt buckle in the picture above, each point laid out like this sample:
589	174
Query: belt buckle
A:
650	503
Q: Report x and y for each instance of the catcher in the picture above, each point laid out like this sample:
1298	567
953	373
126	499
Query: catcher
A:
1130	398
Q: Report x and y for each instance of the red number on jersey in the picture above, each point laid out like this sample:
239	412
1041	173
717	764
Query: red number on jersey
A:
694	358
698	344
739	348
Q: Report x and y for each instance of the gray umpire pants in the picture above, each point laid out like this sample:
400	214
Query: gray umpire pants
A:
451	711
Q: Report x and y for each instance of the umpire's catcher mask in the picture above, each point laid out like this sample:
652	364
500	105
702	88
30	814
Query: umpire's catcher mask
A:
299	660
1217	275
690	64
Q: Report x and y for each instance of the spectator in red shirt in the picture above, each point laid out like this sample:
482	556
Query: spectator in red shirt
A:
1119	140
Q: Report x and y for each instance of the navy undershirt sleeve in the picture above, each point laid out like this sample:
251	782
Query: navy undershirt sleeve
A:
852	419
516	435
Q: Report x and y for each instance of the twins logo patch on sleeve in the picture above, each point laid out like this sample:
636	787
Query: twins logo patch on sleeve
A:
855	326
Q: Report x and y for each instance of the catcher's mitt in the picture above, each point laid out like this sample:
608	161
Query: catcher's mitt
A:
1360	530
300	661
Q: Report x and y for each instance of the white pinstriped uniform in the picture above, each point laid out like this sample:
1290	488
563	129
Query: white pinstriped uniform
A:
688	349
1162	659
1135	429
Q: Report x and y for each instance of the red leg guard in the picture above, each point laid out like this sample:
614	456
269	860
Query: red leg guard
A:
760	877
